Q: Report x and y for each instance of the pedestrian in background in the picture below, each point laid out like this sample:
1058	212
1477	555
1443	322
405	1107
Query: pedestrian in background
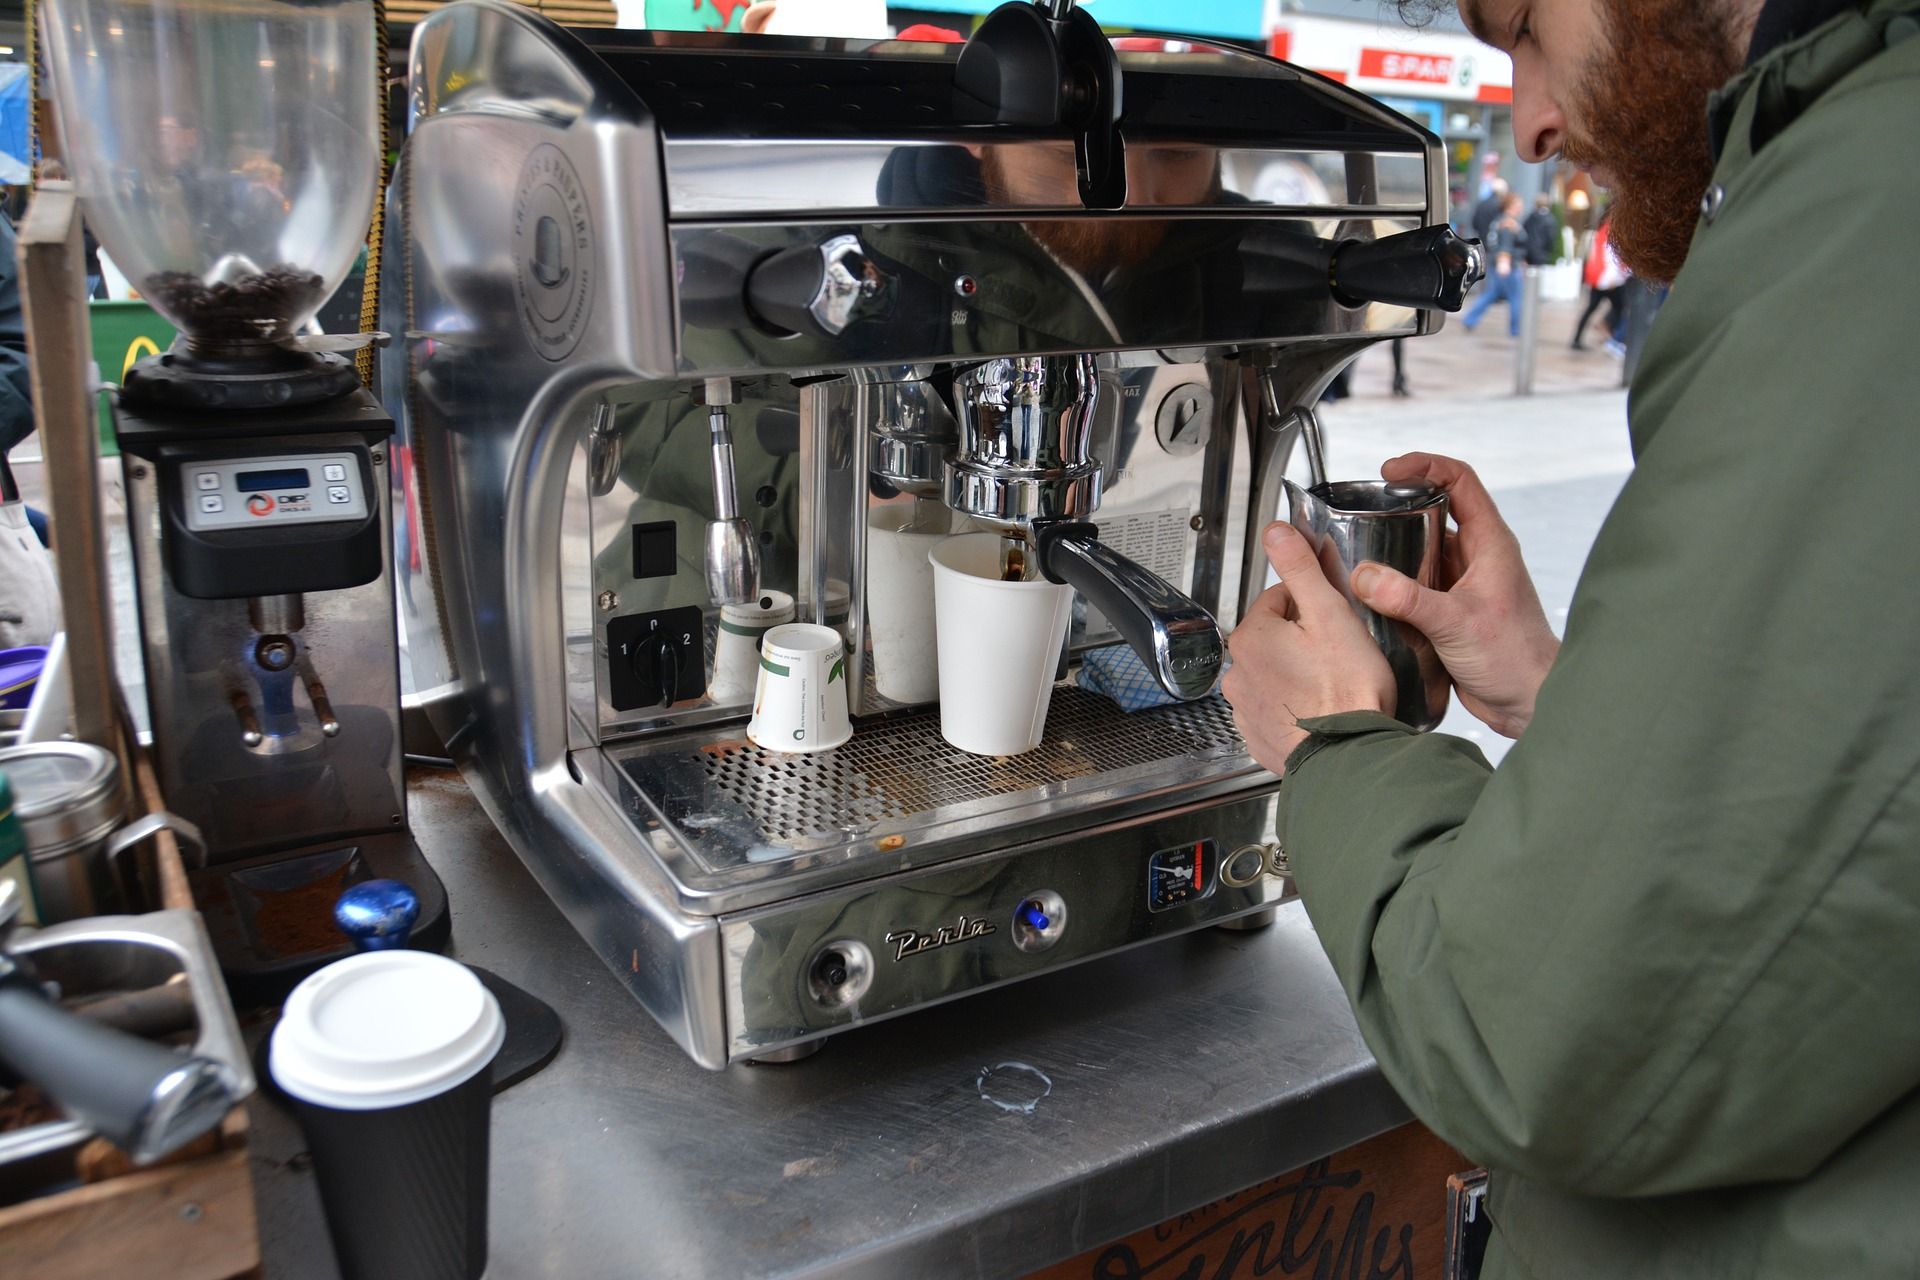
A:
1542	233
1506	247
1487	212
1606	278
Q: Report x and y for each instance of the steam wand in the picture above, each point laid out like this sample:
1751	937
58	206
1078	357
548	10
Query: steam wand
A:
733	558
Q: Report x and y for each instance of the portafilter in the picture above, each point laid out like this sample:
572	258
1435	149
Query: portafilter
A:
1024	462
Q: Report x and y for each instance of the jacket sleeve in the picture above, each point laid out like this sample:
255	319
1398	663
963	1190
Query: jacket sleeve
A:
16	386
1673	941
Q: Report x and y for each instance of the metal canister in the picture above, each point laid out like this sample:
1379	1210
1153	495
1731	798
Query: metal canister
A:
14	865
69	798
1403	527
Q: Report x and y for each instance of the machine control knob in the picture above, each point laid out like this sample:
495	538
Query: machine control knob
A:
656	664
1039	921
830	970
1430	267
818	290
840	974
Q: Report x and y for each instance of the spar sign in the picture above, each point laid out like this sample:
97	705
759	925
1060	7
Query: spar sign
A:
1456	71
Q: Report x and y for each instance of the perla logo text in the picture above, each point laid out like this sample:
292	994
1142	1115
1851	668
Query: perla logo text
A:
911	942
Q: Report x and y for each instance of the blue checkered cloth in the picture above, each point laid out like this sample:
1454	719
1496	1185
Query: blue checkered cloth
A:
1117	673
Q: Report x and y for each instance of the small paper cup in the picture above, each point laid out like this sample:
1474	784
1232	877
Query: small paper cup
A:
800	704
736	650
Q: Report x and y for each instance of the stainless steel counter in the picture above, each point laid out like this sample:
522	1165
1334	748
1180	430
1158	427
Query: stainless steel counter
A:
1158	1079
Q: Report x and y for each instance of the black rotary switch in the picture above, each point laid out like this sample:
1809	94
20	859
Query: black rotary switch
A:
656	665
656	659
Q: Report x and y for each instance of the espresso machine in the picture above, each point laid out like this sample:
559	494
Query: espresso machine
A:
685	314
228	158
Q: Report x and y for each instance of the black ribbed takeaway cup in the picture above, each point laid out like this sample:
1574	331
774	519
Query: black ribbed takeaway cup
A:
386	1057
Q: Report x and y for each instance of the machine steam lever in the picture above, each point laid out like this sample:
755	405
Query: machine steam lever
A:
817	290
1430	268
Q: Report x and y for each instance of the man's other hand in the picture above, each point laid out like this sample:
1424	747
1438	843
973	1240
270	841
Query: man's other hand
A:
1300	652
1486	623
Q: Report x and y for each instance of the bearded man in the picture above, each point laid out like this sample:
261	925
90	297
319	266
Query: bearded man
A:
1659	970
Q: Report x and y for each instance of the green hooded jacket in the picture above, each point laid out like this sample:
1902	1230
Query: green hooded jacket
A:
1660	971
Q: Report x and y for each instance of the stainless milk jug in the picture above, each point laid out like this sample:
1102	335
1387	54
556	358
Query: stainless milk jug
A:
1402	526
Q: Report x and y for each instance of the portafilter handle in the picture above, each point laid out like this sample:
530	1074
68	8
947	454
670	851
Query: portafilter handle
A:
1429	268
1177	639
143	1097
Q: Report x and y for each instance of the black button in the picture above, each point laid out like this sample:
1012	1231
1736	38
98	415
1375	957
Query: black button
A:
656	549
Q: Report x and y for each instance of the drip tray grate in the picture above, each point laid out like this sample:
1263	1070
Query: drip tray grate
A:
900	770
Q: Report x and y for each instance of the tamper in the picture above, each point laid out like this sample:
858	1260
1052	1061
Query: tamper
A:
377	914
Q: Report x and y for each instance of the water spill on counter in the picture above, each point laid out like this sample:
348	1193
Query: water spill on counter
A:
1014	1086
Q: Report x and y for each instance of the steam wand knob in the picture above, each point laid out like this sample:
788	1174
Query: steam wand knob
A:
1428	268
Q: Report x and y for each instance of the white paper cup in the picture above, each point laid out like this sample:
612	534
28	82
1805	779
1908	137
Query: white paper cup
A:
801	702
736	649
900	622
999	647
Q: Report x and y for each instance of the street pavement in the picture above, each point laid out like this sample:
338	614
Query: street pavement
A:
1553	460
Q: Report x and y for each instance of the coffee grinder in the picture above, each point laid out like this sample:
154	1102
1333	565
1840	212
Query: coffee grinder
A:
227	157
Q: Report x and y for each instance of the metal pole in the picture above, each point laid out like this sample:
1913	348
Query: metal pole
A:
1523	351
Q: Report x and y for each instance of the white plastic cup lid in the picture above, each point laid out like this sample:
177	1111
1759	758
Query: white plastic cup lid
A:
384	1029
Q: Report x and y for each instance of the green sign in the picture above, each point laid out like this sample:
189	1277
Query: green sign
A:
123	332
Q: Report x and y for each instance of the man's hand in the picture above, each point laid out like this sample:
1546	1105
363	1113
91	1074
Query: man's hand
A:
1486	623
1300	652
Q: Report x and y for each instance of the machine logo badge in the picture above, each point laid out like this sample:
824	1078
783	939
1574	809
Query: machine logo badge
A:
553	252
260	504
911	942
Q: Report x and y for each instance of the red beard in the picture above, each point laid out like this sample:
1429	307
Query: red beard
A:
1090	246
1643	112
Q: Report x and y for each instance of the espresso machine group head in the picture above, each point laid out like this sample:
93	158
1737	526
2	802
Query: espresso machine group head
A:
1023	462
692	318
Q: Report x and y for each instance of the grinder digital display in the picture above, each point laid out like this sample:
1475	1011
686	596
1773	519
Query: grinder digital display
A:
265	481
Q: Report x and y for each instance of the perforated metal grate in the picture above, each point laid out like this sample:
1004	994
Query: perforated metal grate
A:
902	768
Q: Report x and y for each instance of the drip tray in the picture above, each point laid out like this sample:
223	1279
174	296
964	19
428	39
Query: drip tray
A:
897	781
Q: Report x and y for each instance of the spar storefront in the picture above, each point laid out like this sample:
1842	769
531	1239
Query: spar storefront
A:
1448	81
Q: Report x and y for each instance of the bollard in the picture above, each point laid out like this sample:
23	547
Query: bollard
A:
1523	350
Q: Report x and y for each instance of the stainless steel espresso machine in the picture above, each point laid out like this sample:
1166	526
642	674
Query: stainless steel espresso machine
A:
686	316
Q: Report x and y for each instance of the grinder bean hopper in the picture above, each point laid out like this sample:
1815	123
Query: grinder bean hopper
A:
227	155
